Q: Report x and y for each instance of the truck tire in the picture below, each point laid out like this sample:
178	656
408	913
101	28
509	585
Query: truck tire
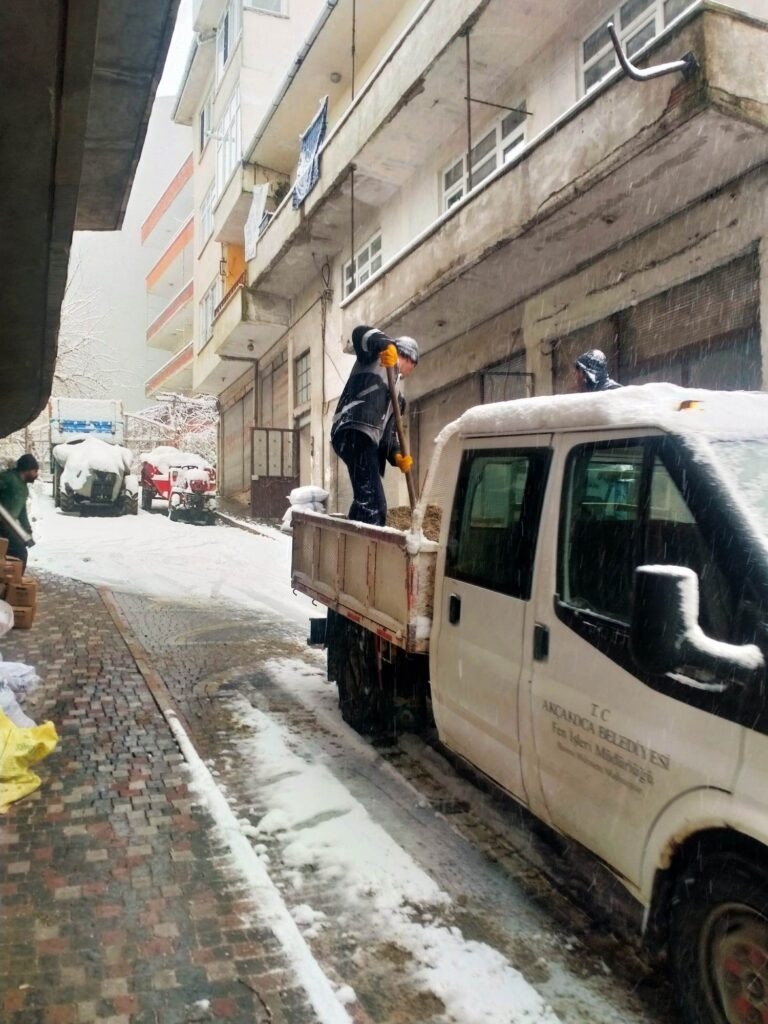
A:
719	940
56	489
353	662
173	513
130	503
66	502
146	499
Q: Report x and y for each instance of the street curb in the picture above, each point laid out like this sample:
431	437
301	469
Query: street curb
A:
229	520
138	652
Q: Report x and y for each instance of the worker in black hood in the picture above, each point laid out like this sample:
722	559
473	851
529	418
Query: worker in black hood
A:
363	434
592	372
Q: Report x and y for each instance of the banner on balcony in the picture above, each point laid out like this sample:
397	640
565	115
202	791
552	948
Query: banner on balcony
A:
252	228
308	170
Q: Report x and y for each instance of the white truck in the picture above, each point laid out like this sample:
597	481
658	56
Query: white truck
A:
590	632
71	418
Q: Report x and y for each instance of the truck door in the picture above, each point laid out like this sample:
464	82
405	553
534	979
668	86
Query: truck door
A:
480	621
613	747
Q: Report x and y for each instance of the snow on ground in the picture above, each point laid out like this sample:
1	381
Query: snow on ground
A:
148	554
323	828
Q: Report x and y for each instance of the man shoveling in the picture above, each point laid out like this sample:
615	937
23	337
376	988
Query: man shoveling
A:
363	434
14	491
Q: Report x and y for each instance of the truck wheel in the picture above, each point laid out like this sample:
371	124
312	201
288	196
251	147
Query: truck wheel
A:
352	661
719	941
173	513
66	502
146	499
131	505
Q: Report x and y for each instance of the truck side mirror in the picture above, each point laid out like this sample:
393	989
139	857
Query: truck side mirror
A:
665	634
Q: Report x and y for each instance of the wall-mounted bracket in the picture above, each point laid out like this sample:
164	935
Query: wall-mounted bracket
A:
687	66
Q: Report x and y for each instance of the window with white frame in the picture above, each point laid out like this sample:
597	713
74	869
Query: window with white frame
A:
208	304
302	378
206	215
366	262
227	35
206	121
228	141
636	22
496	147
267	6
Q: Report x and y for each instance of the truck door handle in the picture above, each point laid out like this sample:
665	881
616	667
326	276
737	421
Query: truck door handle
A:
454	609
540	642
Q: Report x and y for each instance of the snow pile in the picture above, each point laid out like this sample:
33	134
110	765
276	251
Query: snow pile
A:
322	828
165	455
304	499
231	567
197	475
88	456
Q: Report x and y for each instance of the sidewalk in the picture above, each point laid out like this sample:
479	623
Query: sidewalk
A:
116	903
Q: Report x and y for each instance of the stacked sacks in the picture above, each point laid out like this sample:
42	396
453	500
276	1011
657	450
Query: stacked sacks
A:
304	499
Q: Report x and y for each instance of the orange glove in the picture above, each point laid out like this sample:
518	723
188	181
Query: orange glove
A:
388	357
403	462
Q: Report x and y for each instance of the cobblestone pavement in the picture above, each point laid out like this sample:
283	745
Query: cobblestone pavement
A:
116	904
211	659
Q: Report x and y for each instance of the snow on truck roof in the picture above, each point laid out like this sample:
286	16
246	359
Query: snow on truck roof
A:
667	407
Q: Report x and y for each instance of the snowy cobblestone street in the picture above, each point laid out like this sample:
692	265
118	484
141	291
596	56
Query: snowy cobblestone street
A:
376	884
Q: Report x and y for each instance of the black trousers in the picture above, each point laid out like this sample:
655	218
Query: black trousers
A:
361	457
16	549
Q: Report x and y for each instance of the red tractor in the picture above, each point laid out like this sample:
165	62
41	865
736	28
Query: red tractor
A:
186	482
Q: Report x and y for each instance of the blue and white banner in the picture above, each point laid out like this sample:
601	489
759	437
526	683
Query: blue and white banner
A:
308	170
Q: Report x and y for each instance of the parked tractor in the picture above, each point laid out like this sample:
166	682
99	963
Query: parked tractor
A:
186	482
93	476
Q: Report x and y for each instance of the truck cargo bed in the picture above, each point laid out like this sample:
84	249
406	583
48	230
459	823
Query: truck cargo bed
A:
374	575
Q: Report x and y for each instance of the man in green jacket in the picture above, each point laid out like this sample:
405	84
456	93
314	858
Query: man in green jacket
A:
14	492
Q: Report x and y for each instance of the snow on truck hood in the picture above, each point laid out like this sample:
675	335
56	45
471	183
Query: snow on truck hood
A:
93	454
717	414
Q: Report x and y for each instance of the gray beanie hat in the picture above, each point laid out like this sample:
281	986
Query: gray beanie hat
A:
407	347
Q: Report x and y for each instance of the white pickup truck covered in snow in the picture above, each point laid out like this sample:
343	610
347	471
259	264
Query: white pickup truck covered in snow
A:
597	646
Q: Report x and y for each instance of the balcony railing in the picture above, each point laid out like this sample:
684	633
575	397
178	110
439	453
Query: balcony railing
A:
239	283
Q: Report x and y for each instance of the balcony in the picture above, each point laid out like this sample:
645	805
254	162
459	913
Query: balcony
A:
173	325
231	210
175	375
174	207
245	324
625	158
169	293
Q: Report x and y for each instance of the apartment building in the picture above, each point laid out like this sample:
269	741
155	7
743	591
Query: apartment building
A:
563	206
241	52
167	236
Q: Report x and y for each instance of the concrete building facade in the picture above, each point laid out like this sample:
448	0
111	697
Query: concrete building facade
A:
593	210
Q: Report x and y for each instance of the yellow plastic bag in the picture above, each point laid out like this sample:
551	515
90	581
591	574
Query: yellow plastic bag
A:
20	748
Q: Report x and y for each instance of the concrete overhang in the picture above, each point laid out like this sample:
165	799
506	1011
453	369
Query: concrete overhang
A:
404	112
628	157
247	324
231	211
196	75
206	14
78	82
325	51
175	375
173	324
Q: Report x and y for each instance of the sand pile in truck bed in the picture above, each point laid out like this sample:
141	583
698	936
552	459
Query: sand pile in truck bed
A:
400	519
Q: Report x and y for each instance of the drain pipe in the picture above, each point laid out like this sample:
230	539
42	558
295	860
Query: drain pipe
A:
317	28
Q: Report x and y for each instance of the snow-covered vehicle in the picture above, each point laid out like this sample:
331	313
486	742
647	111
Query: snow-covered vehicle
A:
75	418
187	482
590	632
91	475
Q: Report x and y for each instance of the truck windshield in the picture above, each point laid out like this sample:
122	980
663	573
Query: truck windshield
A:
747	463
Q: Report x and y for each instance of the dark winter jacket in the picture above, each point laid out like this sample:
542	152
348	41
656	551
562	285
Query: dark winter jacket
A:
13	497
365	404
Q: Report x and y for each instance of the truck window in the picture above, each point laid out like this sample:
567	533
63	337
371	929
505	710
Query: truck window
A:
599	533
495	519
622	508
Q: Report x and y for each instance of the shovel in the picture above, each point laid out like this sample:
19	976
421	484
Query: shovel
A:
392	380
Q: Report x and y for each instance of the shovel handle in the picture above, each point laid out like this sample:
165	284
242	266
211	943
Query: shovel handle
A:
392	380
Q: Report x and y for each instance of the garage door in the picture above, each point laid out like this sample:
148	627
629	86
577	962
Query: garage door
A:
236	454
432	413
